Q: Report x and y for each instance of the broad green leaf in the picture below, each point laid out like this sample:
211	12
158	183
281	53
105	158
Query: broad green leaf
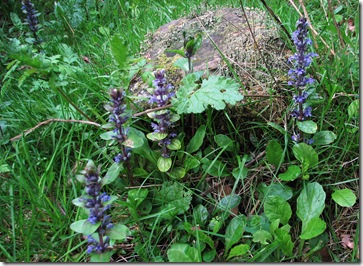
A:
229	202
215	91
108	135
284	238
173	198
80	202
257	222
312	228
262	237
292	172
197	43
119	232
308	126
174	145
102	257
200	214
344	197
133	140
275	189
238	250
306	155
156	136
119	51
182	63
277	127
136	196
274	225
112	173
224	141
276	207
234	232
179	52
208	256
353	109
215	168
177	173
324	137
239	173
182	253
274	152
164	164
191	163
81	178
215	224
84	227
197	140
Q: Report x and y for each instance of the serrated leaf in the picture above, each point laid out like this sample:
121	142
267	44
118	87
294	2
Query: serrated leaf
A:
234	231
119	51
174	199
112	173
344	197
214	91
238	250
274	152
308	127
224	141
312	228
324	137
306	155
197	140
118	232
292	172
164	164
276	207
182	253
174	145
261	236
84	227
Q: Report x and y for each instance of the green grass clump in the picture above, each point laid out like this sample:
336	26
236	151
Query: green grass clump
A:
52	115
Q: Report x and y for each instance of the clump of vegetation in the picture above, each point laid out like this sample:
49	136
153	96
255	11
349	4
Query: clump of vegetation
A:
182	180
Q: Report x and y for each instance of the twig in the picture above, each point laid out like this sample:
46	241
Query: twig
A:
335	24
255	159
277	20
152	110
53	120
256	44
312	29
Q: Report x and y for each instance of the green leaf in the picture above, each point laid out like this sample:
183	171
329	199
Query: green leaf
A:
284	238
353	109
174	145
119	51
239	173
84	227
80	202
208	256
200	214
182	63
215	92
179	52
136	196
277	127
197	43
312	228
133	139
197	140
274	153
102	257
118	232
229	202
277	208
344	197
164	164
324	137
275	189
112	173
199	235
306	155
224	141
191	163
238	250
261	236
177	173
174	200
182	253
234	231
215	168
292	172
308	127
107	135
156	136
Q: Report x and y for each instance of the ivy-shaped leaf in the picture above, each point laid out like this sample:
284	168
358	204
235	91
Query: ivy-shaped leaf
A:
215	91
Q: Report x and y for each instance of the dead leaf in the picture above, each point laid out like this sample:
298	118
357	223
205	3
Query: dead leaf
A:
346	241
351	26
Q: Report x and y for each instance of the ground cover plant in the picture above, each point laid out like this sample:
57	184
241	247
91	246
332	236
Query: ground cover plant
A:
91	172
